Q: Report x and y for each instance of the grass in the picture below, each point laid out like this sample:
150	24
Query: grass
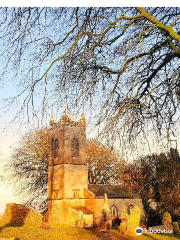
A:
65	232
56	232
148	236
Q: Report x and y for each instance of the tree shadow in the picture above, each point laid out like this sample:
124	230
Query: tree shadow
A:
154	238
149	236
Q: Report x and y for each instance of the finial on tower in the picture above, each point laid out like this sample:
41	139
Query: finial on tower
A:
82	114
83	120
52	115
52	120
69	116
65	112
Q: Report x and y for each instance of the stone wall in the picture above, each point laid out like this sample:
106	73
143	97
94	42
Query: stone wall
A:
125	204
19	214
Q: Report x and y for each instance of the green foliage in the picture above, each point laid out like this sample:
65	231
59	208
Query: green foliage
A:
154	218
175	217
146	236
160	180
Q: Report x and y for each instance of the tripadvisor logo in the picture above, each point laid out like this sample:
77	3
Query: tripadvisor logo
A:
139	231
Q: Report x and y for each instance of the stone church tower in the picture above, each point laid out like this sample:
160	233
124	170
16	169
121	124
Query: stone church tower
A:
67	161
71	200
67	171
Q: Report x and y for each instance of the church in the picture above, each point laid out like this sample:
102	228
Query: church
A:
70	197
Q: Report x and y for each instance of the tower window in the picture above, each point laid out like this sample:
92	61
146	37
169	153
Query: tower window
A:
52	145
56	148
76	193
75	147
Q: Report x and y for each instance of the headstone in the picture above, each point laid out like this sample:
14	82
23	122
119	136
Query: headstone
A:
133	221
167	221
176	228
124	219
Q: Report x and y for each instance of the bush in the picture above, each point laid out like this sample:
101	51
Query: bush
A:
154	218
175	217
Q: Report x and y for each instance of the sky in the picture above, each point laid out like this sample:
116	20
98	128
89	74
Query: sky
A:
10	136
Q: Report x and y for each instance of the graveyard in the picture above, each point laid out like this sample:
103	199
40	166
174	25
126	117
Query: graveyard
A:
75	208
89	123
63	232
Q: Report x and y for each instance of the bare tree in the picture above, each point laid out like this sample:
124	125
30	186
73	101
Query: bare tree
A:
126	59
28	167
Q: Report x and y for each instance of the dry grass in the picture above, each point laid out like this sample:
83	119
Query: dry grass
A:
65	232
148	236
56	232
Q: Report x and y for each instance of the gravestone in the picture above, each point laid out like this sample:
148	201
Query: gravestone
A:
133	221
176	228
167	221
124	219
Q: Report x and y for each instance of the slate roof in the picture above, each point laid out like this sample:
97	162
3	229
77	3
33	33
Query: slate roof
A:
113	191
83	209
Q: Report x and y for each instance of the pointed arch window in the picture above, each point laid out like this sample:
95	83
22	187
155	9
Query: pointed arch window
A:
75	147
129	208
114	211
56	150
52	145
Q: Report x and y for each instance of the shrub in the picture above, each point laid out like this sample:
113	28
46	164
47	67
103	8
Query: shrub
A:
154	218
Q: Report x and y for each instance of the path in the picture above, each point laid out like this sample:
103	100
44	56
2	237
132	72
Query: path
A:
108	236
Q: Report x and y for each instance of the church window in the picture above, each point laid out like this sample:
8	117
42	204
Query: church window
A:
114	211
75	193
75	147
55	194
56	148
129	208
52	145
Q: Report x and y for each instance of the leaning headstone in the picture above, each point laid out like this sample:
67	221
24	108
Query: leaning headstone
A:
124	218
167	221
133	221
176	228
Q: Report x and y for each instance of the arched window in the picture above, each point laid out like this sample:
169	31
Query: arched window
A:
56	148
75	147
129	208
114	211
52	145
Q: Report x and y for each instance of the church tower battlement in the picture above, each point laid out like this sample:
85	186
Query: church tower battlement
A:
67	171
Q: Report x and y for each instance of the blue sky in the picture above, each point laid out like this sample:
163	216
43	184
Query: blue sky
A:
10	134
